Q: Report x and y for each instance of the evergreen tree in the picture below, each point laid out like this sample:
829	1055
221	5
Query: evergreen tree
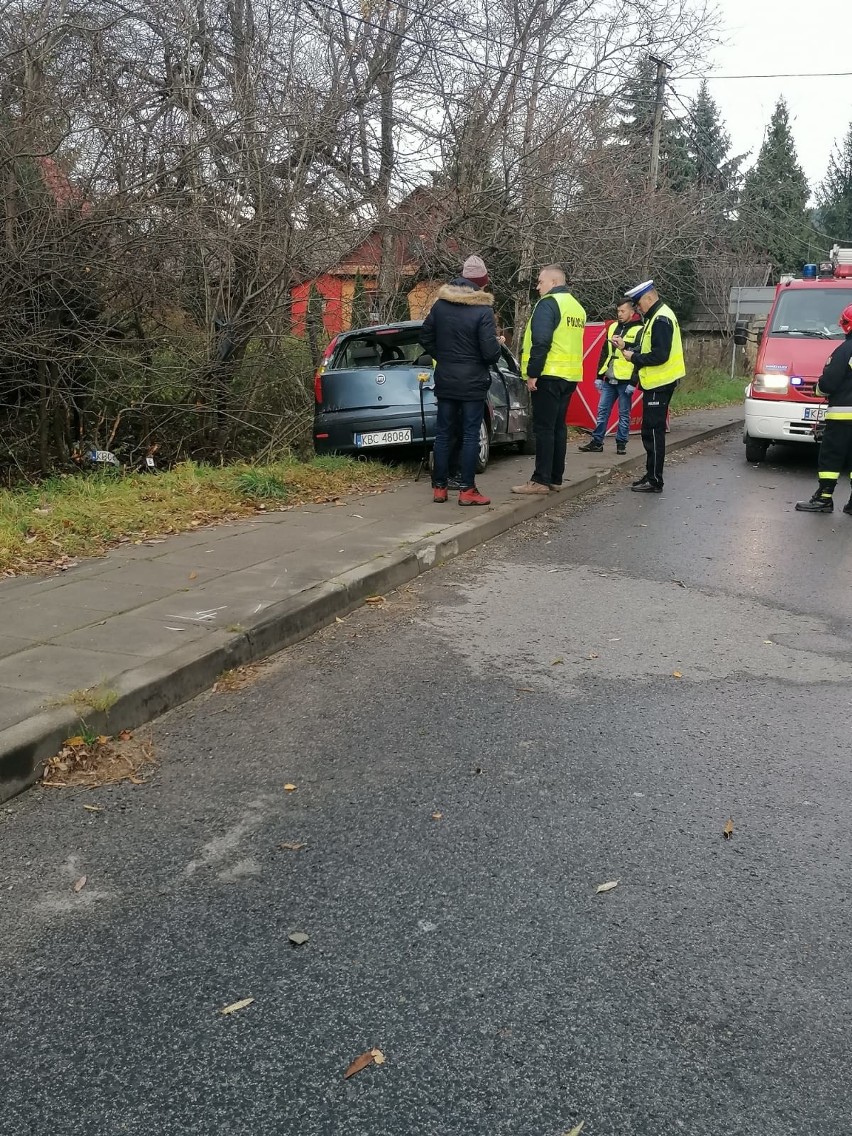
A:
773	206
710	146
834	196
635	131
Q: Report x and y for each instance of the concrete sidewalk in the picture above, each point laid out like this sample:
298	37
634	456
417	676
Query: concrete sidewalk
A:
153	625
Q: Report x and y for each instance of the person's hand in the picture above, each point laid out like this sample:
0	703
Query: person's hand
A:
630	388
531	383
628	354
501	339
599	384
618	341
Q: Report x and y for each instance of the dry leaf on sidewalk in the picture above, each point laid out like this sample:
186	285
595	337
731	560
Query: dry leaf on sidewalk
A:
294	846
80	884
234	1006
375	600
290	788
728	830
298	938
371	1057
437	816
676	674
93	808
607	886
576	1131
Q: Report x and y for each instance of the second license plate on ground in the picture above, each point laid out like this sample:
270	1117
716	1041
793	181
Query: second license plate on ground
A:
384	438
814	414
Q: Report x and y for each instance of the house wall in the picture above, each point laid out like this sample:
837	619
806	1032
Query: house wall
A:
330	289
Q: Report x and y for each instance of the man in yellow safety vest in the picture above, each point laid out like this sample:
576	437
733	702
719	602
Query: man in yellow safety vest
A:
615	381
552	364
660	366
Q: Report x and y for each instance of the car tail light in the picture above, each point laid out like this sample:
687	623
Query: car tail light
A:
326	358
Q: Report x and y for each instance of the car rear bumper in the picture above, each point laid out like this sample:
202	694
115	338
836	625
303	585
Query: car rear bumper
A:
334	431
778	421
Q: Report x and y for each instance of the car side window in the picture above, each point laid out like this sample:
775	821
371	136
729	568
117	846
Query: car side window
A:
507	362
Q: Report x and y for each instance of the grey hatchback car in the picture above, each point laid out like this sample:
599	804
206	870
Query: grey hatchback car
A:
368	390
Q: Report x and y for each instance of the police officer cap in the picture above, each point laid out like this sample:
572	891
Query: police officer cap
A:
640	290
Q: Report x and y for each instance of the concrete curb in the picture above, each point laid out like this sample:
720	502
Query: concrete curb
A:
148	691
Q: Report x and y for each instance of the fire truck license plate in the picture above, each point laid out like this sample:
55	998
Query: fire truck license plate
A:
814	414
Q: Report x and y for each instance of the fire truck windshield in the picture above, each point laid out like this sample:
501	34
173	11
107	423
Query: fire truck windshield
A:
810	312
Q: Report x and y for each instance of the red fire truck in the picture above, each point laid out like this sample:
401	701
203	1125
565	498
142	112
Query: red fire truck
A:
781	403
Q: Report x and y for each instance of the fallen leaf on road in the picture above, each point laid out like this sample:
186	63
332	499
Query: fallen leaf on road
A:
558	663
80	884
75	741
728	830
298	938
193	575
607	886
375	600
337	619
676	674
679	583
378	1056
593	656
234	1006
357	516
437	816
295	846
576	1131
94	808
125	736
290	788
361	1063
525	690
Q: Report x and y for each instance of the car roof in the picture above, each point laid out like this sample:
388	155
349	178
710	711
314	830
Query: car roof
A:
382	328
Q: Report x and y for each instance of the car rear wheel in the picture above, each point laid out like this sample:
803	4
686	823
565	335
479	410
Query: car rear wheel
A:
756	448
484	446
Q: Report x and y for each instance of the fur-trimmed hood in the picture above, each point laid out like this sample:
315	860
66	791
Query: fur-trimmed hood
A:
464	294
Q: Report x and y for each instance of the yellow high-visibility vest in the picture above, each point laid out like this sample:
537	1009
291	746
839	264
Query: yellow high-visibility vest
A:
621	368
674	367
565	357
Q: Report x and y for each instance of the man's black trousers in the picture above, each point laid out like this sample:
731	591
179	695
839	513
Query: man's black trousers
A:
550	405
655	406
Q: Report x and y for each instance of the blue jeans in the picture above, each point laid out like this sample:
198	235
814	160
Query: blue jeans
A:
456	420
609	394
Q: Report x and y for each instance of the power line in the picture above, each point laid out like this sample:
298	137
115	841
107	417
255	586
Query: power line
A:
776	75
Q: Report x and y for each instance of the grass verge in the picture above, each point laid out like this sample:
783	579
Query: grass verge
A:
705	389
86	514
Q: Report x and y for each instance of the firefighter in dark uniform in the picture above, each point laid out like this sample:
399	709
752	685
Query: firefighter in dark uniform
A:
660	366
835	451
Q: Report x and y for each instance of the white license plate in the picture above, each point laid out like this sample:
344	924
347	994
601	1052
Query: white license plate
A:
384	438
814	414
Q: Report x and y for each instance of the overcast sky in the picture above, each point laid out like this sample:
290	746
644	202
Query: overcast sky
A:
770	36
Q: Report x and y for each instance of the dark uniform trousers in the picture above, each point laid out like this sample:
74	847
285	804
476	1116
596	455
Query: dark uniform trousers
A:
550	406
655	406
835	450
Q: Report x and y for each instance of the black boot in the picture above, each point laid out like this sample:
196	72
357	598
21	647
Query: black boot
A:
592	447
847	508
821	502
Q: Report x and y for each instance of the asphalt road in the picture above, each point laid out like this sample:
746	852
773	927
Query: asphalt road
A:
529	694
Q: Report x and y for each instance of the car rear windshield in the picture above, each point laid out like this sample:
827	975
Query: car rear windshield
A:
380	349
810	312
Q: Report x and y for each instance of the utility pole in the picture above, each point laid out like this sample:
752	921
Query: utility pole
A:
659	100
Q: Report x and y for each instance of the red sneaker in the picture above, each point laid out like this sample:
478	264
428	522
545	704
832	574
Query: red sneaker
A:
439	496
472	496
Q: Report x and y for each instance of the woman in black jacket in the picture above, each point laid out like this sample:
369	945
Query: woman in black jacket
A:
461	336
